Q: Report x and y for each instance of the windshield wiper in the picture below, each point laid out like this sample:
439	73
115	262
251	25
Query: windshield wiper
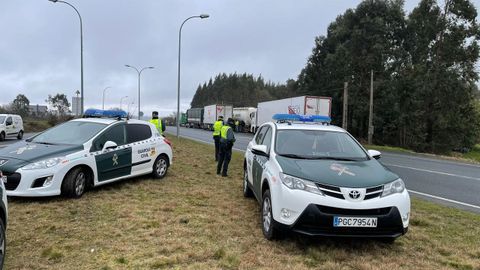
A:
294	156
46	143
335	158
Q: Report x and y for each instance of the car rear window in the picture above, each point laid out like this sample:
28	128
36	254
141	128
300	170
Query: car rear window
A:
138	132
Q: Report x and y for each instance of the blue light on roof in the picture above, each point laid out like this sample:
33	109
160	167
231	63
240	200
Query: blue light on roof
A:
105	113
301	118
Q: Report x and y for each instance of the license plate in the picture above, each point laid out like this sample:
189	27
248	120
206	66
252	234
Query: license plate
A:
362	222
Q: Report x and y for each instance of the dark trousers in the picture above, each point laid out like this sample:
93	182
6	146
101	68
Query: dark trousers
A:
224	158
216	139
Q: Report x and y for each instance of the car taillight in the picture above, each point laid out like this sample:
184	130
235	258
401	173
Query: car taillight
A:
167	142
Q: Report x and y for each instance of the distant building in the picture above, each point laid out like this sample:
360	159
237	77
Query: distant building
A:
38	110
76	106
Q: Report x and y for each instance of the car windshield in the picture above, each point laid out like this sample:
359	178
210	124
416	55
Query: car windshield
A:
73	132
318	144
2	119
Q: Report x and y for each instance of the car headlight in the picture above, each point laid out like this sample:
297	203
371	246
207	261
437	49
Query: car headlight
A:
293	182
43	164
396	186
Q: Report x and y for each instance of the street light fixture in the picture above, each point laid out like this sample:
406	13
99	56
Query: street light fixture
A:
121	101
201	16
139	73
103	99
81	50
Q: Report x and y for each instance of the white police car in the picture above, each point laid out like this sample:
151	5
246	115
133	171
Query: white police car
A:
3	222
86	152
316	179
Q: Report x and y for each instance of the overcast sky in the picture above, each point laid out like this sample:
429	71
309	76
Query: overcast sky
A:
40	45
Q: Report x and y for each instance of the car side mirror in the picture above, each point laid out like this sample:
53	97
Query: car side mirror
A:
375	154
109	145
260	150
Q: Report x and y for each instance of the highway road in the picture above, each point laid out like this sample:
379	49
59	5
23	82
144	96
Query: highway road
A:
448	182
8	141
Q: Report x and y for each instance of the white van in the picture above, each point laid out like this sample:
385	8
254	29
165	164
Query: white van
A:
11	125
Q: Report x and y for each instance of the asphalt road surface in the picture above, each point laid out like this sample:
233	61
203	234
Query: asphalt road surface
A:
448	182
11	140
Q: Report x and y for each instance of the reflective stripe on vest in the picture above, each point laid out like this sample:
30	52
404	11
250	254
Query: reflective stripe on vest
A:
158	125
224	131
217	128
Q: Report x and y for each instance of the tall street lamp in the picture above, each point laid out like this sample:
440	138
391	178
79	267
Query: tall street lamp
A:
121	101
81	51
103	99
202	16
139	73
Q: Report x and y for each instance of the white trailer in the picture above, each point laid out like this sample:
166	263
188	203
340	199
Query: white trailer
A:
308	105
212	112
245	115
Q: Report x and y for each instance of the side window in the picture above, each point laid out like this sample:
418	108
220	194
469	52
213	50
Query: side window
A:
138	132
9	121
115	134
267	139
260	135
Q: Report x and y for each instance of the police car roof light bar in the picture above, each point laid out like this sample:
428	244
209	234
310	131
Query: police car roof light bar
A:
105	113
283	117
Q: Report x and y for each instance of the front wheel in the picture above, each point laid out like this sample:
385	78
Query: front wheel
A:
247	192
74	184
3	244
20	135
2	136
160	167
268	223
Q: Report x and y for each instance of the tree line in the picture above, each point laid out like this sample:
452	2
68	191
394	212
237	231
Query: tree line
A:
425	81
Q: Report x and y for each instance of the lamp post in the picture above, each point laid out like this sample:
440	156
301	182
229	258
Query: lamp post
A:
103	98
139	73
202	16
121	101
81	50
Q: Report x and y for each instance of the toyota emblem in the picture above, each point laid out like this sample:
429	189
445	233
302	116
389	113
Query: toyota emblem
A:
354	194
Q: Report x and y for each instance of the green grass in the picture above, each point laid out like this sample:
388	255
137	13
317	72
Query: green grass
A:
474	154
193	219
35	125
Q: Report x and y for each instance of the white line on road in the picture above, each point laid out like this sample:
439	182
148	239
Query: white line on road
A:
444	199
431	159
430	171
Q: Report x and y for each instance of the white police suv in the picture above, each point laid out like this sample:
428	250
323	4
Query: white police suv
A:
100	148
316	179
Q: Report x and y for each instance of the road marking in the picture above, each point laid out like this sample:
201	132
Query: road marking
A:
431	159
443	199
430	171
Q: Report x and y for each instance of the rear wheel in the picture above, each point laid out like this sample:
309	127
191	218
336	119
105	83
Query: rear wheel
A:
268	223
247	192
3	244
74	184
20	135
160	167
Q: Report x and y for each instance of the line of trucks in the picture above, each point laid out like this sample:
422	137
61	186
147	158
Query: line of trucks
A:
249	118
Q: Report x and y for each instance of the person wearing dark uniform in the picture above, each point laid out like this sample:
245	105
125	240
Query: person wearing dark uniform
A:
158	123
227	139
217	127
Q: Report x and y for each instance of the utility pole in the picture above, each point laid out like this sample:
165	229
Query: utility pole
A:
370	115
345	106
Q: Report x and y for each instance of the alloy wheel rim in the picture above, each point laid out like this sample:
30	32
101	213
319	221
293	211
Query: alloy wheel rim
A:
80	183
161	167
267	216
245	179
2	246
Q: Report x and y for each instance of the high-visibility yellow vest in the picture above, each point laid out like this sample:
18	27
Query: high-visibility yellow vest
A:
158	125
217	127
224	131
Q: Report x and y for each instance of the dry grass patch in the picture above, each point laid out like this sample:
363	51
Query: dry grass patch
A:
194	219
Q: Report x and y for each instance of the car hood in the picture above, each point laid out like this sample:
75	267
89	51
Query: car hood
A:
351	174
22	153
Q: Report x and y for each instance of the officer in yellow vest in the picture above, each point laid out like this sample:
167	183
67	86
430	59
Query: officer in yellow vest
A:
227	139
217	126
158	123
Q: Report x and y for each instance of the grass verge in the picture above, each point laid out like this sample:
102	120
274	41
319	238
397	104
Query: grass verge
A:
472	156
193	219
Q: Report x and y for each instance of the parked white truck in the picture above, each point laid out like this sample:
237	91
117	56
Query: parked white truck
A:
212	112
308	105
245	115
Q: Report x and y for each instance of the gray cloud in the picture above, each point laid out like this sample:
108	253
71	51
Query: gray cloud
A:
39	48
